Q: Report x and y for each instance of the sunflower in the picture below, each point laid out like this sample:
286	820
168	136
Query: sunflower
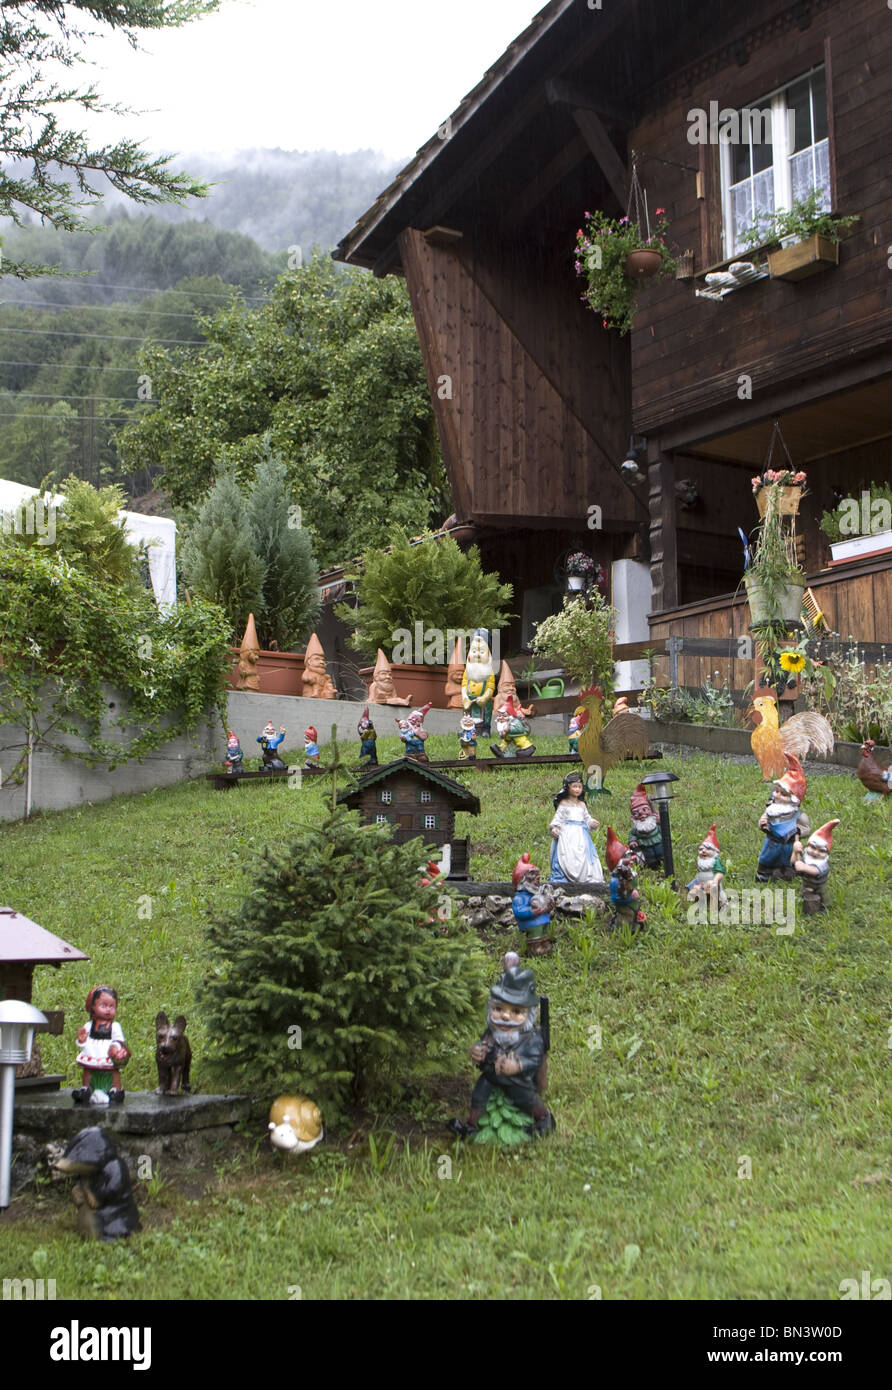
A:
793	662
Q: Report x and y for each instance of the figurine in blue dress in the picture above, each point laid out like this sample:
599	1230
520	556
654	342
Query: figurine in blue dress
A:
574	859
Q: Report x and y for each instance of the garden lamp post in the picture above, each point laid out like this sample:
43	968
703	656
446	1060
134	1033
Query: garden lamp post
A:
659	789
17	1023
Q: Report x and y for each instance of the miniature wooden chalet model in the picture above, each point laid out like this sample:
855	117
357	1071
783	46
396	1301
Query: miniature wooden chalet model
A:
24	944
417	802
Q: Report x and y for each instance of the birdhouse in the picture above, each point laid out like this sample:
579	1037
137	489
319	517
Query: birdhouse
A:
418	802
24	944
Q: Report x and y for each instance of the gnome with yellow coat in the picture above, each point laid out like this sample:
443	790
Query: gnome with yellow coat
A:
478	683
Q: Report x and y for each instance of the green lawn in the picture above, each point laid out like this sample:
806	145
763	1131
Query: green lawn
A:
716	1044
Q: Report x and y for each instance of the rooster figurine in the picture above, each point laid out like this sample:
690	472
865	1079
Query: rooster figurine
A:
876	779
801	734
602	745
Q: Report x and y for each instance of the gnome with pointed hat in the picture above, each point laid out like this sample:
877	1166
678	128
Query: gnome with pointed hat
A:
813	866
532	904
467	738
514	733
511	1053
368	753
706	885
507	690
454	672
645	835
622	861
478	684
248	658
311	750
382	690
317	683
234	755
413	733
784	822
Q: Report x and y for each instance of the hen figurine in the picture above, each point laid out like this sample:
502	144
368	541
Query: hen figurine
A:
876	779
602	745
801	734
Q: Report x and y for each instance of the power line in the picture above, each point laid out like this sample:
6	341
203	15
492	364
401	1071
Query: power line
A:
49	396
91	308
106	337
171	289
66	420
70	366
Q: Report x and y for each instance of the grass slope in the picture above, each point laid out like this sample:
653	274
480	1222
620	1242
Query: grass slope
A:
677	1055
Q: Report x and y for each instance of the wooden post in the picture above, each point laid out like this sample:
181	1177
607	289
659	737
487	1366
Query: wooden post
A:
663	538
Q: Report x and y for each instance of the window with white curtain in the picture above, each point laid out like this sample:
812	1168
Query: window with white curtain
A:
782	155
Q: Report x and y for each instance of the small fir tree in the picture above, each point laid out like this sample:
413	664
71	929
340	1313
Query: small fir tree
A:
290	596
220	559
336	939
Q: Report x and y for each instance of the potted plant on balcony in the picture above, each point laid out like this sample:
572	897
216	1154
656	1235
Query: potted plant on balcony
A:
614	257
809	237
860	526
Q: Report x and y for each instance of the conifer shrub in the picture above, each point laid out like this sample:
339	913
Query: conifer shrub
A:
334	972
220	560
290	596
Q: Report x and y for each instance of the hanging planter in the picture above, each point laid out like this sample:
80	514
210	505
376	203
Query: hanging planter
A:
782	488
614	256
780	603
788	497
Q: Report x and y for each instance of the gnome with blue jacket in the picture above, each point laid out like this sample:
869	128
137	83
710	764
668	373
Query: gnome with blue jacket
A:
532	904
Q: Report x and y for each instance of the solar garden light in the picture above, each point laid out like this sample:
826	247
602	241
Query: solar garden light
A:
17	1024
659	789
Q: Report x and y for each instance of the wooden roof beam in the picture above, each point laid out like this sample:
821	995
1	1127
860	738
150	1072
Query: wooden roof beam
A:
547	178
561	93
605	152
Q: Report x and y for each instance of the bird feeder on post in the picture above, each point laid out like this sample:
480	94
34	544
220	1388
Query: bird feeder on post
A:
17	1024
24	944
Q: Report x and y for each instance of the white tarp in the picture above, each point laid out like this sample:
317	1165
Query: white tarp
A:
158	532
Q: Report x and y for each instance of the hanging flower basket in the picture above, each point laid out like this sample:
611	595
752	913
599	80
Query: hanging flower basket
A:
615	256
788	499
787	607
644	263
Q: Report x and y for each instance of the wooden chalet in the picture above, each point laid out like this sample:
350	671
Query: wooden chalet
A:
418	802
535	401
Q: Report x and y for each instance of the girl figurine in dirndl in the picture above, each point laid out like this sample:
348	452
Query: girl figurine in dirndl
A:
574	859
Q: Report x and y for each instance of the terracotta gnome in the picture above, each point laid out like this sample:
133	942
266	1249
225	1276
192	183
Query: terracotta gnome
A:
532	904
103	1050
645	836
507	690
368	753
511	1054
234	754
317	683
624	897
514	733
706	885
784	822
812	864
478	685
249	657
413	733
467	737
454	673
382	690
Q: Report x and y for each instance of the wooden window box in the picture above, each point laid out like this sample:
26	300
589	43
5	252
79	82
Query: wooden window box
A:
861	548
806	258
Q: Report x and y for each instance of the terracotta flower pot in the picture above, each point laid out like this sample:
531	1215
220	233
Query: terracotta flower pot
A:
421	683
645	262
280	673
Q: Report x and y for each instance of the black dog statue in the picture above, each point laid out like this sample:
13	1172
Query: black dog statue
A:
105	1206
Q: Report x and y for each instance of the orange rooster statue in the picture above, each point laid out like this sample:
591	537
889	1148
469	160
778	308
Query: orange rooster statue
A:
602	745
801	734
876	779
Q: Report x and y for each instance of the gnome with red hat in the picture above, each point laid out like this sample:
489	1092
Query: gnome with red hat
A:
311	750
706	885
368	754
532	903
413	733
813	866
622	863
645	835
513	731
784	822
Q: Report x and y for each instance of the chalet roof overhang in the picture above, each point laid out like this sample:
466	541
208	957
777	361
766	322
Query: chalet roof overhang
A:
458	793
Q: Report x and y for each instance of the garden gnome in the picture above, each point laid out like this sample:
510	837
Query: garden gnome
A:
317	683
513	731
248	657
467	737
367	739
784	822
706	885
269	741
382	690
813	866
103	1050
645	836
311	750
575	729
234	754
532	904
454	673
508	691
624	897
413	733
478	685
511	1053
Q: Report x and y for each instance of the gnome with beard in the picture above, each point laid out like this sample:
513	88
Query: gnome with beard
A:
511	1052
706	885
783	822
513	731
813	866
645	836
478	685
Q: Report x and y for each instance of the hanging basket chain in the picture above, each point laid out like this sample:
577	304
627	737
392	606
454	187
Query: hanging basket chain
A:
637	198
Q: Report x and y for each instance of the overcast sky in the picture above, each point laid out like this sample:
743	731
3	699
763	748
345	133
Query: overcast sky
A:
305	74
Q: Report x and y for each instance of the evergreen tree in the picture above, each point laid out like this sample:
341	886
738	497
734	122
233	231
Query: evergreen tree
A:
220	559
335	938
290	595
